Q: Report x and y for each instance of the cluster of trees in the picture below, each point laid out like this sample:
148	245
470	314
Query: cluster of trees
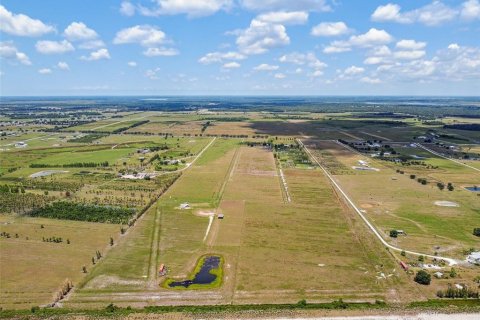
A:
51	185
22	202
136	124
71	165
64	290
205	126
423	277
5	235
453	292
11	189
84	212
54	239
98	255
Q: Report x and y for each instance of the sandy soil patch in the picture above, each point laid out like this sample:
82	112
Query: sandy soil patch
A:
446	204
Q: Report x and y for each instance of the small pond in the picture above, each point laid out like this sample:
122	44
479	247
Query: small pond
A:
473	189
203	276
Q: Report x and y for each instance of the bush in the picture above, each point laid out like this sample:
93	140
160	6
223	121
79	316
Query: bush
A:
393	233
476	232
423	277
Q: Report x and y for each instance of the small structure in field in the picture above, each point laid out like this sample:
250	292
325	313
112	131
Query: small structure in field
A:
220	216
438	275
404	265
185	206
162	271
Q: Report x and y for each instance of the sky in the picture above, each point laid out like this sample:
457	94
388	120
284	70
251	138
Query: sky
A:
239	47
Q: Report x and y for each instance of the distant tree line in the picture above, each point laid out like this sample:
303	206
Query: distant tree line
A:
464	126
71	165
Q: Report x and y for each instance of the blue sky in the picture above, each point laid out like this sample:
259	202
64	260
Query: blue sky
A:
239	47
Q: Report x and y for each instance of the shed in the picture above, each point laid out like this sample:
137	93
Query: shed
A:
220	216
404	265
162	270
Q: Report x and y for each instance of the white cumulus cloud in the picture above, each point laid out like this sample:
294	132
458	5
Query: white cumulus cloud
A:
143	34
192	8
371	38
433	14
288	5
284	17
63	66
45	71
127	8
231	65
330	29
261	36
9	52
97	55
79	31
220	57
54	47
160	52
22	25
266	67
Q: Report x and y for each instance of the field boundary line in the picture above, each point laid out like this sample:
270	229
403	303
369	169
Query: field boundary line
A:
368	223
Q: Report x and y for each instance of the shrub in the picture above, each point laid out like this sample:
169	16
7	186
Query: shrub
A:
393	233
476	232
423	277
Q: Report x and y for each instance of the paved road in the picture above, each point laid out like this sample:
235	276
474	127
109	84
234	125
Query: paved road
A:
450	261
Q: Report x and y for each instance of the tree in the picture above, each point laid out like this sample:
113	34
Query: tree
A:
111	241
393	233
453	273
423	277
421	258
84	269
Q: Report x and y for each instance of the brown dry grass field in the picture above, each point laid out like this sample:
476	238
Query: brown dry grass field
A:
393	201
31	271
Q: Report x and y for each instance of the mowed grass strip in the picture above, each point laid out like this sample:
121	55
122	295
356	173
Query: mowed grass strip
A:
182	232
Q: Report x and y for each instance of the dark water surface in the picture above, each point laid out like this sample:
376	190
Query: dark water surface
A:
203	276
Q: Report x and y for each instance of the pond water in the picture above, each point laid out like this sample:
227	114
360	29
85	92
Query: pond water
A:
203	276
473	189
